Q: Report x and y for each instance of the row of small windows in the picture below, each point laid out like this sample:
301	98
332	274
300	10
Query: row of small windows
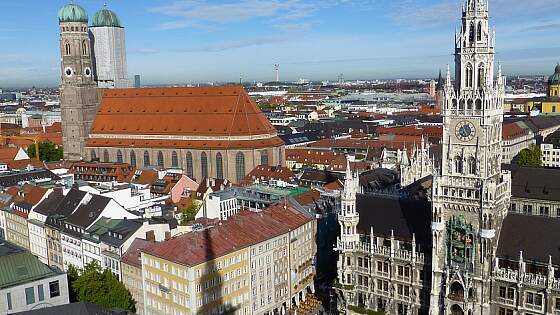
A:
68	48
239	162
469	104
74	29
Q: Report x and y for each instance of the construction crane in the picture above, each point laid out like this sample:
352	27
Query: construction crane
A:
35	141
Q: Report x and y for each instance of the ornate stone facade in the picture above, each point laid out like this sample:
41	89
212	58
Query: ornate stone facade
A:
470	196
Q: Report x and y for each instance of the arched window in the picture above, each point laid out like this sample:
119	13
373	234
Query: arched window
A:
459	165
174	159
454	106
219	166
105	155
462	105
67	49
204	165
132	158
239	166
84	48
470	104
160	161
471	32
189	165
472	165
93	155
479	32
146	158
478	104
481	77
119	156
264	157
469	76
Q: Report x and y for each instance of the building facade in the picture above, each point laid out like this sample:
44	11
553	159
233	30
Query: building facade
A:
79	96
447	249
27	284
470	196
550	149
216	132
264	270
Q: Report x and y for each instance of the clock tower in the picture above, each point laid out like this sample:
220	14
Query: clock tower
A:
470	194
79	96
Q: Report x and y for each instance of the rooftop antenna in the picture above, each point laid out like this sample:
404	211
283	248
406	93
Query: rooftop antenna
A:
277	71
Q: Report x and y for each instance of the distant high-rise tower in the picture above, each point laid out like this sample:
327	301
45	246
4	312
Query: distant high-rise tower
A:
79	98
137	82
109	53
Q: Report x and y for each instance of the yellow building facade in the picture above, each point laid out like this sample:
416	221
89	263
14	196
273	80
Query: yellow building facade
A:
252	263
208	288
551	103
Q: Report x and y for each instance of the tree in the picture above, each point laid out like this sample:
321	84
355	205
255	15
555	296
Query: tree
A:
72	275
529	157
189	213
48	151
102	288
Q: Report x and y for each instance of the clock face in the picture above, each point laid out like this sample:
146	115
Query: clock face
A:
465	131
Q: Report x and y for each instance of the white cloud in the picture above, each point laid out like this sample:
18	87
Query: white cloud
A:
209	14
416	14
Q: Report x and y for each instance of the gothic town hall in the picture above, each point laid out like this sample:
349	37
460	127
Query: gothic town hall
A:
467	248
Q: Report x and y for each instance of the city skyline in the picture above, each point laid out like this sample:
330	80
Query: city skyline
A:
309	39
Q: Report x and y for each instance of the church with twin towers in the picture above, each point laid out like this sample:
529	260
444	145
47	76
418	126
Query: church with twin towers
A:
463	249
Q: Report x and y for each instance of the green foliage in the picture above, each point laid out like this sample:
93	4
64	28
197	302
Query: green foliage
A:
266	106
189	213
529	157
341	286
48	151
72	275
102	288
361	310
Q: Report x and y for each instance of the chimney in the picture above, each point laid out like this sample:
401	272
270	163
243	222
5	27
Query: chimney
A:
150	236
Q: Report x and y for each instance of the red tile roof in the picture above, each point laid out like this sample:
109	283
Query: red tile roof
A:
187	144
119	172
512	131
361	144
428	131
310	156
238	232
132	255
308	197
270	172
209	111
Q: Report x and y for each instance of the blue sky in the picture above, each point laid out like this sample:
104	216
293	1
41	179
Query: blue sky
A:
187	41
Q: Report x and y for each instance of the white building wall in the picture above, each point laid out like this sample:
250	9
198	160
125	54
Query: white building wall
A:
18	298
38	240
550	155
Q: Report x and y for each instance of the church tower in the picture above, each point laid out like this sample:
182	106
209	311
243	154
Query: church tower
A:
471	192
79	97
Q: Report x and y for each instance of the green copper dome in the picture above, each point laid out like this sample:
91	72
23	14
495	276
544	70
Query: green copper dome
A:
555	78
106	17
72	13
